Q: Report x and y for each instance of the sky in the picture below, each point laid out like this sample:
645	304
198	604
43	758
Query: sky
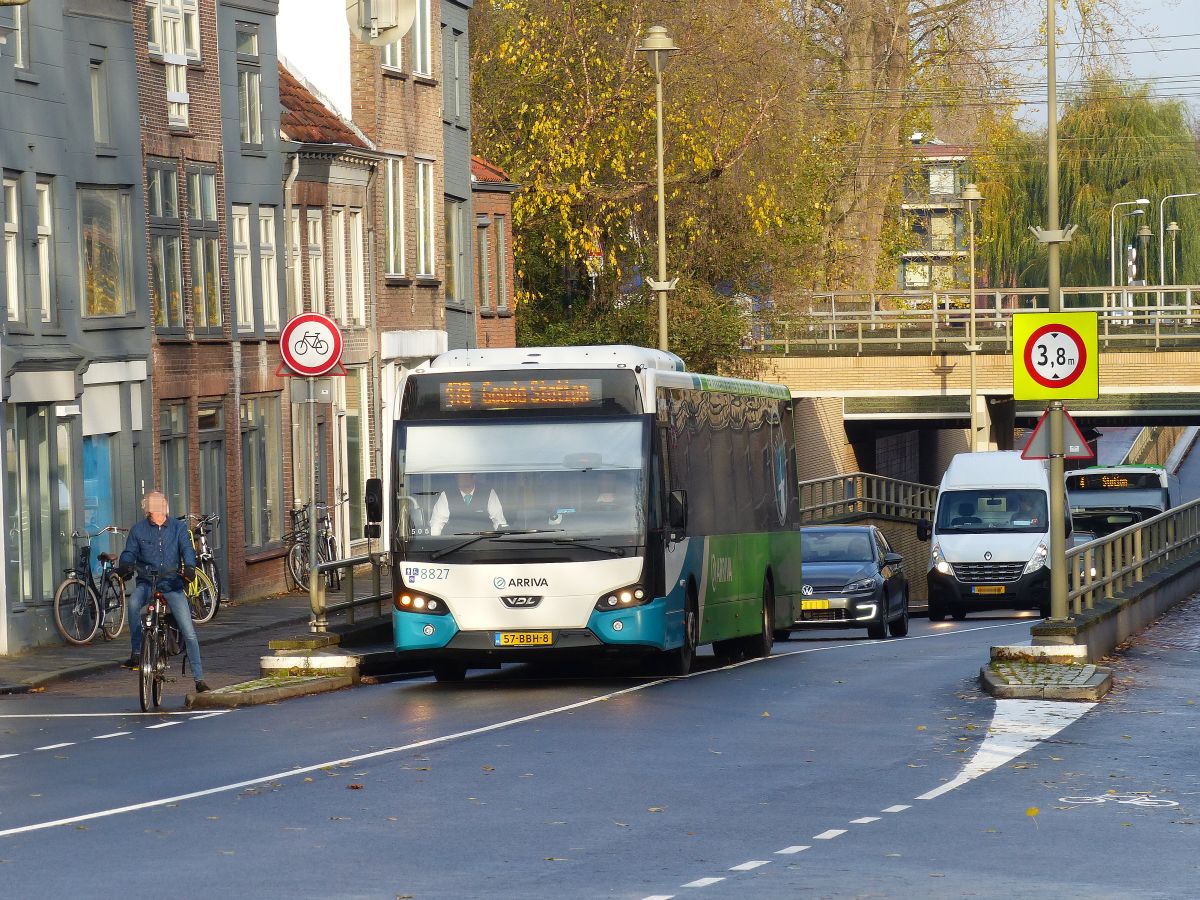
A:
313	38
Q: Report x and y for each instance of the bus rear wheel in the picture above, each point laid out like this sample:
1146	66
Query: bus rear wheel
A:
758	646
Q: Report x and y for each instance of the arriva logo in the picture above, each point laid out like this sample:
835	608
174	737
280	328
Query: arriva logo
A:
720	569
500	582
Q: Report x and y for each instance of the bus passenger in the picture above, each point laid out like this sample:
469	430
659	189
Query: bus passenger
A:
466	512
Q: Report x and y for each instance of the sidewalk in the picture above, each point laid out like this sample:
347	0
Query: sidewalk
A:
237	619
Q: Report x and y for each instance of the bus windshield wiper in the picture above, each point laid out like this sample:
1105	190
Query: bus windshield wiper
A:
476	536
574	542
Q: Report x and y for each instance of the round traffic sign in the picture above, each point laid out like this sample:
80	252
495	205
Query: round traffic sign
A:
1055	355
311	344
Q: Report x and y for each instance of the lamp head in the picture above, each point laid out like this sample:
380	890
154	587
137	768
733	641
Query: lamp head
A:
1144	232
657	44
1142	201
1173	228
970	192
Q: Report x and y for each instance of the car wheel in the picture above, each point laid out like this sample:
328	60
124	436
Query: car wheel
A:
937	612
877	631
899	627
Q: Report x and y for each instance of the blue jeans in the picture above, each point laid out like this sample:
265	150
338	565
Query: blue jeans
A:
183	618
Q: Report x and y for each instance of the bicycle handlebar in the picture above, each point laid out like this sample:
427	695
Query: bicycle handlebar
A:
107	529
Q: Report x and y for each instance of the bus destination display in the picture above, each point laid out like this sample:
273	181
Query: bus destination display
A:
513	393
1113	481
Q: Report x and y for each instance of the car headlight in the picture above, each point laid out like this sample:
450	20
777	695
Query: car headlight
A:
1038	560
938	562
623	598
420	602
863	584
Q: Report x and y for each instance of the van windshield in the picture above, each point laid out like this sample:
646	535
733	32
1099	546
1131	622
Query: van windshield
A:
991	511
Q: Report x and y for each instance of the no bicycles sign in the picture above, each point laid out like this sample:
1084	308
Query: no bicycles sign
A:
311	344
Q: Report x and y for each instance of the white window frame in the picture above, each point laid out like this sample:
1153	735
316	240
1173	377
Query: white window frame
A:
297	303
395	217
100	110
422	40
243	285
154	26
500	222
12	249
391	56
268	268
358	293
315	232
338	251
20	39
45	249
454	212
426	240
250	105
175	53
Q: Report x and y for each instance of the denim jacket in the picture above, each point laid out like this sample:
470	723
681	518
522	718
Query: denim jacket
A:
166	547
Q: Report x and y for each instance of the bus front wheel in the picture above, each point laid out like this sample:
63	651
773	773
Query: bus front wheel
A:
678	662
449	670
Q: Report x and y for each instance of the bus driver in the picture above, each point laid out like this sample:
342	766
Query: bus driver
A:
465	510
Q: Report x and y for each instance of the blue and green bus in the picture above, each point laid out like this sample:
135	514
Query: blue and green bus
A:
589	500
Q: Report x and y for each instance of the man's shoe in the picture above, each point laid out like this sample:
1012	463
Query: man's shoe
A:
132	663
201	687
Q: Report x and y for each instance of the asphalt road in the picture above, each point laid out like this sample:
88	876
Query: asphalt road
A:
798	776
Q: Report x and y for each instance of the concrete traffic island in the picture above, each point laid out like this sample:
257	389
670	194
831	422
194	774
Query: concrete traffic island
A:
270	689
1059	672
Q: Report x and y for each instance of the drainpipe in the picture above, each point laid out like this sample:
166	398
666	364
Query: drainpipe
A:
290	264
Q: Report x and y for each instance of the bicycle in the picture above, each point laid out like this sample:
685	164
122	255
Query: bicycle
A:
161	639
311	339
204	591
85	604
327	545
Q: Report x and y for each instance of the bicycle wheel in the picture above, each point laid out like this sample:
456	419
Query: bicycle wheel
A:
113	604
202	598
210	568
333	577
297	563
76	611
149	687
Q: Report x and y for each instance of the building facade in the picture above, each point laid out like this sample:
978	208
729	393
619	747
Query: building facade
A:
493	254
935	213
76	435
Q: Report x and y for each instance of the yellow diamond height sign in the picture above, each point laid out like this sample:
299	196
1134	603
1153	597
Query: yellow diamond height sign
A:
1055	356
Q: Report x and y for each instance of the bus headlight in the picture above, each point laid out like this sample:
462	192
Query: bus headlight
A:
623	598
420	602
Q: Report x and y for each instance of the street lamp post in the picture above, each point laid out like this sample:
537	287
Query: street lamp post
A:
658	47
1162	269
1112	236
1173	231
972	196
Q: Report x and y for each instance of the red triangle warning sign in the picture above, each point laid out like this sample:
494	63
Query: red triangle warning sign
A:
1075	446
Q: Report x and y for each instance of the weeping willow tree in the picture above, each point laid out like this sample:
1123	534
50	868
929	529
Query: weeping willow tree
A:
1116	143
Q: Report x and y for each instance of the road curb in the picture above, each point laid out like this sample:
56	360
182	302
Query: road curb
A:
267	690
1094	688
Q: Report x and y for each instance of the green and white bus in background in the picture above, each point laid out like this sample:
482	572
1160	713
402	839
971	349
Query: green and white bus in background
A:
589	500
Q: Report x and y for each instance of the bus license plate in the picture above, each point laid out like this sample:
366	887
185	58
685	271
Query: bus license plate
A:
524	638
988	589
814	604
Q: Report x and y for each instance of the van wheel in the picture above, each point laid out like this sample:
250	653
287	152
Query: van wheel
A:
937	612
958	613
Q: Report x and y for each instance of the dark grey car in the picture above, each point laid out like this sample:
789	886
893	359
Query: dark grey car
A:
852	579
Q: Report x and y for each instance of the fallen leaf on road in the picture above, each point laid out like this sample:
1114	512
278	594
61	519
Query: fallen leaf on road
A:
621	824
308	779
765	715
654	809
354	787
556	859
489	768
920	728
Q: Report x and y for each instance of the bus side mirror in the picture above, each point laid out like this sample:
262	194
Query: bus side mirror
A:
677	511
924	530
373	500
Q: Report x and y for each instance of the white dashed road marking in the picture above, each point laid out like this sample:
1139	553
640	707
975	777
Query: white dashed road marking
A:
747	866
660	897
796	849
56	746
899	807
8	755
105	737
865	820
829	835
162	725
703	882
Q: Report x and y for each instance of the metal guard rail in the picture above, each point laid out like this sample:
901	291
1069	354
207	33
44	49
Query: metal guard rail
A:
860	493
1108	565
319	622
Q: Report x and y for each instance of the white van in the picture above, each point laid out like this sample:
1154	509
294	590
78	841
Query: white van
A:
990	536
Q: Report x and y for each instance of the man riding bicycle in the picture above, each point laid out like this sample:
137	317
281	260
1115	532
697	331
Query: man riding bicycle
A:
161	543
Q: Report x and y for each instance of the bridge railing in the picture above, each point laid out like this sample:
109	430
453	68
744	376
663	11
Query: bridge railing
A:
859	494
937	321
1106	566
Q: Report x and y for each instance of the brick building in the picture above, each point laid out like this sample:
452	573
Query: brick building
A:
495	275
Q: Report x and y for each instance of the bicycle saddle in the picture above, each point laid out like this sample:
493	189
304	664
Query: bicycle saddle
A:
106	557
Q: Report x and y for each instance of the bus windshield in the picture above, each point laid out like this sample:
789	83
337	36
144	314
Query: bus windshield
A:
991	511
518	483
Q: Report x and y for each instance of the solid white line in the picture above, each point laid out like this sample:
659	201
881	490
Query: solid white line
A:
430	742
660	897
824	835
865	820
702	882
163	725
747	866
104	715
796	849
105	737
899	807
1017	726
56	746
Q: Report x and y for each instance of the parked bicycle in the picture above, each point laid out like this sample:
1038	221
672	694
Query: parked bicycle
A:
204	591
327	545
161	639
86	602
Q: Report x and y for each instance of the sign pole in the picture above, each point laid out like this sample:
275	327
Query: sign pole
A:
312	489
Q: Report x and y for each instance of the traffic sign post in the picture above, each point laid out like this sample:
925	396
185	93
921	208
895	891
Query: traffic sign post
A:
311	346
